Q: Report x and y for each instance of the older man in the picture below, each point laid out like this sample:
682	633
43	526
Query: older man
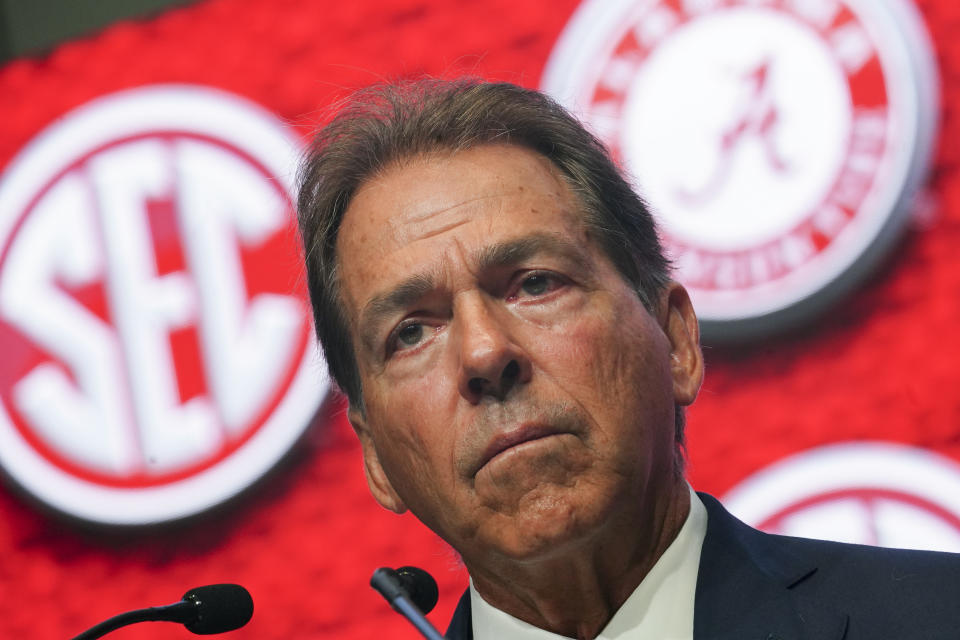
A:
492	298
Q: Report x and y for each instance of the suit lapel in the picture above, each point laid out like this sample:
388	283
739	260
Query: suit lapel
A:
750	588
461	624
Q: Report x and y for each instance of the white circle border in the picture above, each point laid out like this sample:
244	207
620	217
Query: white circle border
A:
848	465
189	109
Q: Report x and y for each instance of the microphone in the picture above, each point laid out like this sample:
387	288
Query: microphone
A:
411	592
420	586
217	608
214	608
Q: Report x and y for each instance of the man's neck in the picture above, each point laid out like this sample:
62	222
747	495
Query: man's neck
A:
575	593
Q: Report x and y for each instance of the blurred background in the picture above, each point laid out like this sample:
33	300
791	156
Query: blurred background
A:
165	421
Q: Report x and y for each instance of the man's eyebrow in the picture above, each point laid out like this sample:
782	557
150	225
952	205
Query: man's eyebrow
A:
522	249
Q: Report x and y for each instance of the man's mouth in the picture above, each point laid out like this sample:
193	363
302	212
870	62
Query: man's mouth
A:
503	442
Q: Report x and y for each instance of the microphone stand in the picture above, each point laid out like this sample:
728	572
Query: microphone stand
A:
390	587
178	612
409	611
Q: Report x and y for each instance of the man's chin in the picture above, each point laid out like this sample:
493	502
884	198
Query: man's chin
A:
533	474
548	526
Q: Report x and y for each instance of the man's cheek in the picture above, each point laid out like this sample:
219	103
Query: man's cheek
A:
401	421
577	351
419	394
406	464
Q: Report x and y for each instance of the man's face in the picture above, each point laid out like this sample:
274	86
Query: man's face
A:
518	396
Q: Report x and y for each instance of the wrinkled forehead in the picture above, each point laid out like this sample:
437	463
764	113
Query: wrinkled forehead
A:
437	195
412	185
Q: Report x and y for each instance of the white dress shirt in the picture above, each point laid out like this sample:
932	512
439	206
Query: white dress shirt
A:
661	606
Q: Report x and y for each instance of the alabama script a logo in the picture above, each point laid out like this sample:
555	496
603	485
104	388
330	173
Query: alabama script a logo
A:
158	356
777	141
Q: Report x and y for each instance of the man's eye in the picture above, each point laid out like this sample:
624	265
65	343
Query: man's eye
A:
535	285
538	284
409	335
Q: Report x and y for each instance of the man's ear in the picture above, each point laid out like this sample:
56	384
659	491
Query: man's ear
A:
679	322
377	480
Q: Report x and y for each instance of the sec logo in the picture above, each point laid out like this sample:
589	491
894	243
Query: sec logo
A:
866	493
158	356
777	141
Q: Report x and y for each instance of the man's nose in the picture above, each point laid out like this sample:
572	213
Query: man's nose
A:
491	363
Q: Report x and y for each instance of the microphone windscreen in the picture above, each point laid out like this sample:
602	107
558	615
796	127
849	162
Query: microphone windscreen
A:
220	607
421	587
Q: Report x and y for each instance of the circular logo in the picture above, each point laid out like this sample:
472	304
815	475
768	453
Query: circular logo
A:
867	493
158	353
776	141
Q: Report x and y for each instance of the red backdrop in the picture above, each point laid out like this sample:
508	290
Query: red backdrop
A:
879	365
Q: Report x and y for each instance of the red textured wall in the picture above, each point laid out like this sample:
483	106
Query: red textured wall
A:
880	365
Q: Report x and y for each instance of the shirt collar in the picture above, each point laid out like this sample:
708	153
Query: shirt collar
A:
660	607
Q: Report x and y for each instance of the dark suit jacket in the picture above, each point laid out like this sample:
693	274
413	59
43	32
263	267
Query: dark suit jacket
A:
757	586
